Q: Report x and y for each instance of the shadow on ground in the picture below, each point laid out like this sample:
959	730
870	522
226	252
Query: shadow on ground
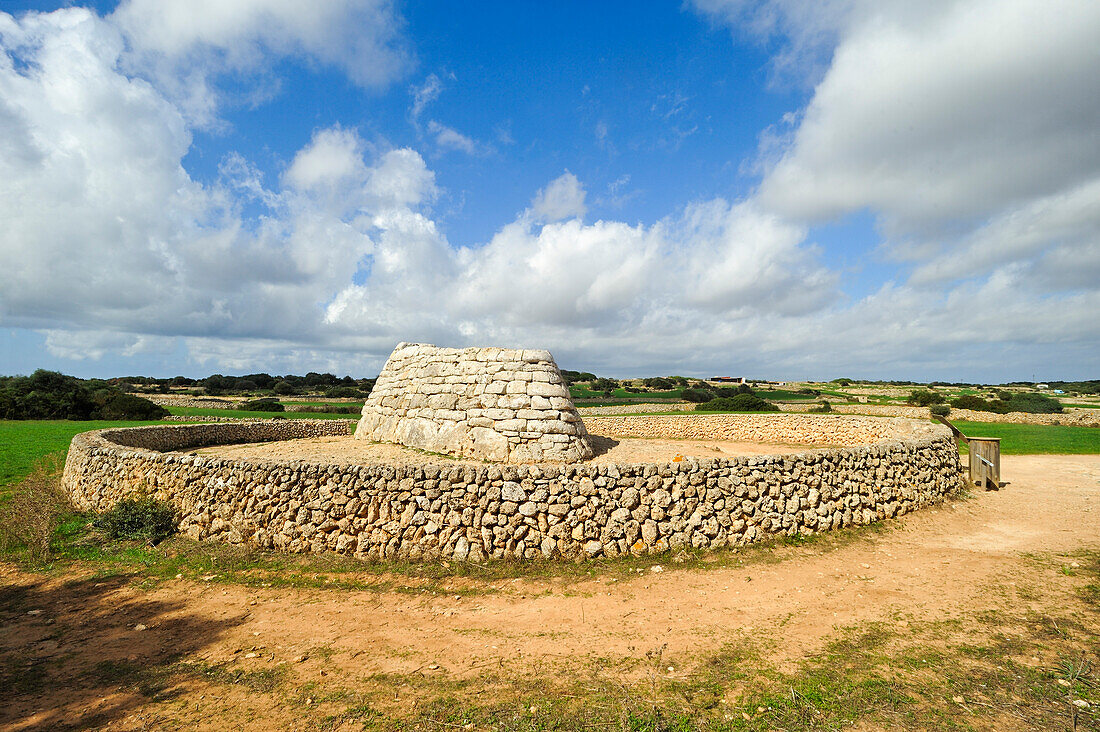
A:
77	655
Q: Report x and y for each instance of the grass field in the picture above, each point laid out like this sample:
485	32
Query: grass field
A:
241	414
24	442
1034	439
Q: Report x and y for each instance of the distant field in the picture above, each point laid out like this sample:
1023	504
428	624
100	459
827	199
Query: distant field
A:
1035	439
241	414
22	442
583	392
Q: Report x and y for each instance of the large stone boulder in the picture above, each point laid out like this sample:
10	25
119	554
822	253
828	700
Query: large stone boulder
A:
498	404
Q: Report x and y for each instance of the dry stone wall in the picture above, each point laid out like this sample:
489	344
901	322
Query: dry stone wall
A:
799	429
477	511
1069	417
497	404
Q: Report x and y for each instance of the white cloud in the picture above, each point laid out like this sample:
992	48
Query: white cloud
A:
424	95
110	247
447	138
333	158
933	119
105	231
562	199
361	37
184	45
969	131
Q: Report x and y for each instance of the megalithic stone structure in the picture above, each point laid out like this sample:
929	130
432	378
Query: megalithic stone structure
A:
498	404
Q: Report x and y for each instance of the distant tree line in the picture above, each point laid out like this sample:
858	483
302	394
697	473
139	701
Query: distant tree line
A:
998	401
329	385
740	398
52	395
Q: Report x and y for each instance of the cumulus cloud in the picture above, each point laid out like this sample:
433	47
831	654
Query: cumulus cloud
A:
970	131
936	118
184	45
981	169
106	232
562	199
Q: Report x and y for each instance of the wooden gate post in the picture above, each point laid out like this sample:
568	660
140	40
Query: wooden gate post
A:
985	462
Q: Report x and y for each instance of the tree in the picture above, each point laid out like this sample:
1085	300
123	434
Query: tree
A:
605	385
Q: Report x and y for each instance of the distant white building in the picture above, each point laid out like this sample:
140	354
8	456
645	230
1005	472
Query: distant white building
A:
1042	386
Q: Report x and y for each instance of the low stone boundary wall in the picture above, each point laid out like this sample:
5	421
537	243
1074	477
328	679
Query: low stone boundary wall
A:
803	429
1069	417
476	511
641	407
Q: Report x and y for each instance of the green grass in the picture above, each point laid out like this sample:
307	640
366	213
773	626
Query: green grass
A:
782	395
240	414
23	442
1036	439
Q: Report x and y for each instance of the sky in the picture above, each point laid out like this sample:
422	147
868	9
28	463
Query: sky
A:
785	189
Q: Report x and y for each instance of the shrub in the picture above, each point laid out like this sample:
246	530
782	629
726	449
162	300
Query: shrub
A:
823	408
738	403
283	388
261	405
696	395
126	406
147	519
925	397
1034	403
36	507
940	410
605	385
974	403
658	382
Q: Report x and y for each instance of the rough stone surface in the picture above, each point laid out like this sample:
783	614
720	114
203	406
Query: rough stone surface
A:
477	511
498	404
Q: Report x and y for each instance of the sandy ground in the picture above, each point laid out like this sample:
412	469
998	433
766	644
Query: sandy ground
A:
620	450
956	560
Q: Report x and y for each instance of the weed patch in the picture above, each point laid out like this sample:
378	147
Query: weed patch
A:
30	518
147	519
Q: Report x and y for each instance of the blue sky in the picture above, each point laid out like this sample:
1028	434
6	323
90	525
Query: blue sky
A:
781	188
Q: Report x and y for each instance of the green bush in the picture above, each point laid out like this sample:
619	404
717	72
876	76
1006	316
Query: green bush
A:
823	408
261	405
605	385
127	406
282	388
925	397
738	403
940	410
658	382
696	395
1034	403
974	403
147	519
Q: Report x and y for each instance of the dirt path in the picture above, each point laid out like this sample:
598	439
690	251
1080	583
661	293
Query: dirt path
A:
959	559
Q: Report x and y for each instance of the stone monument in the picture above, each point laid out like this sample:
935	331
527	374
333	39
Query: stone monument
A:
498	404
